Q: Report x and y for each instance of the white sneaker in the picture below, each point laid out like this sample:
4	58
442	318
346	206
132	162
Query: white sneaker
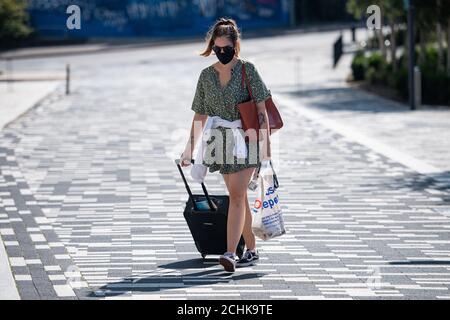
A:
228	261
248	259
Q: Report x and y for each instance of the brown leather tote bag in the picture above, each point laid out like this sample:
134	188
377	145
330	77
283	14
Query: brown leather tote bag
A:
249	113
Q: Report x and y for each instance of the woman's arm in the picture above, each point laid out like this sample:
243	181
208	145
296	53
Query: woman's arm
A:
264	143
260	94
196	130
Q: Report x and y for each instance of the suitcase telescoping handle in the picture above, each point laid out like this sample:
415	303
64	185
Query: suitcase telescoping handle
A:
211	204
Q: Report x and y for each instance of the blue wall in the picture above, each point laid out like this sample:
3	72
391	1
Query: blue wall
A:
153	18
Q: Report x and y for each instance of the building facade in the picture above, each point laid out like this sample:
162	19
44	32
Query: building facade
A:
153	18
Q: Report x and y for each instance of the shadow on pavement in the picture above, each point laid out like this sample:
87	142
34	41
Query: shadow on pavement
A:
353	99
189	264
350	99
419	182
166	277
421	262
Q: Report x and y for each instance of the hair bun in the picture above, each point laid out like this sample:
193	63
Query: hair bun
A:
223	27
226	21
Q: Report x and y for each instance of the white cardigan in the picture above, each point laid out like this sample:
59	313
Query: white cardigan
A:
199	170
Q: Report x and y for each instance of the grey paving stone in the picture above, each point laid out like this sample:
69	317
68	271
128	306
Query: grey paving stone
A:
112	196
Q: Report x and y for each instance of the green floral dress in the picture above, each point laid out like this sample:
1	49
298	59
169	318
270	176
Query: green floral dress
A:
213	100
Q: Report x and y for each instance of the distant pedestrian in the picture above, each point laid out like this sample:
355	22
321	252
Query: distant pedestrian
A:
219	90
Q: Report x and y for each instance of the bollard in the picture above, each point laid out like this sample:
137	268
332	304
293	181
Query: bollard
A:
338	50
353	29
417	87
67	79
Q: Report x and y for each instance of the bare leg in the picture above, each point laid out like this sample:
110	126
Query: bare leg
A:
237	188
249	237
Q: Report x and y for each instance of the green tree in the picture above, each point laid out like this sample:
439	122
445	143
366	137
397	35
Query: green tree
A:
394	14
425	21
358	9
13	20
432	22
443	21
448	46
389	13
433	18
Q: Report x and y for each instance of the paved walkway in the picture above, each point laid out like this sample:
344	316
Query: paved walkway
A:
8	290
92	202
422	134
309	80
18	97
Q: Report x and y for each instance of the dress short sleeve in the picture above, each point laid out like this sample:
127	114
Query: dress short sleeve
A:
259	88
198	104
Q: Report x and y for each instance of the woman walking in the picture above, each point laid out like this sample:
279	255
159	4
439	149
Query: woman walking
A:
219	90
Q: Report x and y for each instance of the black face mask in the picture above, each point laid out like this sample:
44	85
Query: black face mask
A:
226	56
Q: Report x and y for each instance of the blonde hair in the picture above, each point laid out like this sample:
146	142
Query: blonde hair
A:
223	27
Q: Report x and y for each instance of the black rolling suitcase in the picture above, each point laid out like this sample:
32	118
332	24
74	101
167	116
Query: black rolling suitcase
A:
208	227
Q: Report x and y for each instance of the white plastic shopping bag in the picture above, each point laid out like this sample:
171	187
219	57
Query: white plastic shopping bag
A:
266	211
